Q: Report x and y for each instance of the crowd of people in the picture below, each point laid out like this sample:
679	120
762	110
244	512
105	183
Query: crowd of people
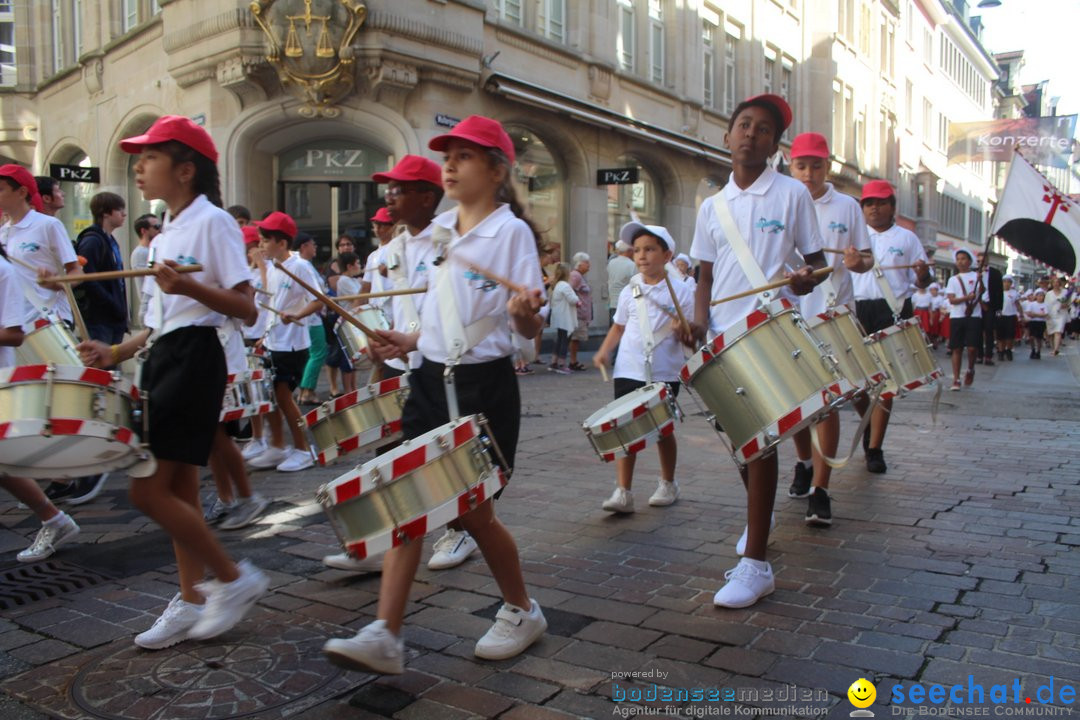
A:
458	300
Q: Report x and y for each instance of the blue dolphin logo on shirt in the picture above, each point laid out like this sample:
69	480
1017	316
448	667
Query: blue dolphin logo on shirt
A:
486	285
186	260
838	227
422	267
770	226
29	246
896	251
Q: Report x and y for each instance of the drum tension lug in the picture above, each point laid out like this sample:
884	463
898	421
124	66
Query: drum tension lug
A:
796	354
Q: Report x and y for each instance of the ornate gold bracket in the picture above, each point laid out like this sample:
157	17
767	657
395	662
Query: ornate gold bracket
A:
303	69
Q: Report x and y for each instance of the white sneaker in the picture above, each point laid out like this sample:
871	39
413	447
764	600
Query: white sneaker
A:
227	603
621	501
297	460
217	510
746	584
514	630
452	549
374	649
244	512
254	449
49	538
271	457
172	627
346	562
666	493
740	546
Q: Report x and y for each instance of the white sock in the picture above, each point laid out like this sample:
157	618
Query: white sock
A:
807	464
56	519
758	564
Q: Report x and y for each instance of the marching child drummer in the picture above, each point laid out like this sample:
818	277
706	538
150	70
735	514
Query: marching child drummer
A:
287	340
840	222
648	349
775	216
486	230
252	334
184	372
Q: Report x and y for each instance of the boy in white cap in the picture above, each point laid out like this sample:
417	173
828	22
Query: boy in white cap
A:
1011	314
965	316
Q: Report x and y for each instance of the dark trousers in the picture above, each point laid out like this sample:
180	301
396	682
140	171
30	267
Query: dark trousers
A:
989	326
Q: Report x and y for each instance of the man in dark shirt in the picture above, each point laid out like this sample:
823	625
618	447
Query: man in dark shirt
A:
104	302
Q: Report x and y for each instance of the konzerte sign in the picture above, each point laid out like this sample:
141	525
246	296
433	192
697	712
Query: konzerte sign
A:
1044	140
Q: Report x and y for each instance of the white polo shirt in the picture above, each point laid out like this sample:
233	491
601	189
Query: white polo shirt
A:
315	318
842	225
895	246
41	241
206	235
373	276
668	357
12	308
289	297
1009	302
257	330
417	255
776	218
922	299
959	285
502	244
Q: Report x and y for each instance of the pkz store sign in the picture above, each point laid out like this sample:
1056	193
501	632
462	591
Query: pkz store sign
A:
331	160
74	173
617	176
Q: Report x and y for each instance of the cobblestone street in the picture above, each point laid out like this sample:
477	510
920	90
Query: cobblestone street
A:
960	561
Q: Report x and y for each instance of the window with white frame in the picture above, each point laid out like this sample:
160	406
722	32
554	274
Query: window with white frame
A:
883	144
838	119
732	34
909	103
57	36
849	122
927	122
552	20
76	28
860	138
131	14
8	73
845	26
709	26
624	40
769	73
155	7
656	41
864	29
507	10
787	74
909	23
943	132
928	46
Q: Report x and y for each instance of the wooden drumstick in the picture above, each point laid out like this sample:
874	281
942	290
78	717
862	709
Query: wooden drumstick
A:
770	286
321	297
902	267
385	293
841	251
603	371
115	274
264	306
76	312
675	301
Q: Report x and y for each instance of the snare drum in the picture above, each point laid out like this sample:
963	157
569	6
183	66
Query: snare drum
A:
766	378
365	418
627	425
49	343
64	421
418	486
904	351
840	331
247	394
354	343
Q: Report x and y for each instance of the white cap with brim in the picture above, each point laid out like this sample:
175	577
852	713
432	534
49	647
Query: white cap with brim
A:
957	251
631	230
1010	278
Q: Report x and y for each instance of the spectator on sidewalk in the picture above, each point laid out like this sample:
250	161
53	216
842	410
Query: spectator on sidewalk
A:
581	288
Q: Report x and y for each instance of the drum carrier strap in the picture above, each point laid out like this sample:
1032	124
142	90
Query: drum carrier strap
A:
886	288
739	247
398	273
459	339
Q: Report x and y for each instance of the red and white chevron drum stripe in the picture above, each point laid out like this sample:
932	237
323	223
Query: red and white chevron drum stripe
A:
365	418
629	424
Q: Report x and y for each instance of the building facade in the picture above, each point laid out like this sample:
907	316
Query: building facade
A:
582	85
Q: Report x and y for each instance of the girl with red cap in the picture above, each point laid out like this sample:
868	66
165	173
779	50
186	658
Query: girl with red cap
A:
184	372
486	230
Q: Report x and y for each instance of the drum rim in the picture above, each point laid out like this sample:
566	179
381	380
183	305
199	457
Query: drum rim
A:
67	374
655	393
374	391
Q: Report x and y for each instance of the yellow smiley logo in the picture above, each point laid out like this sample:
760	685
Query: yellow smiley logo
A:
862	693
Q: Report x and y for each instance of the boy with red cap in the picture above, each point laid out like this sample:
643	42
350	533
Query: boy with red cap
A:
775	216
375	267
841	224
891	245
34	238
287	339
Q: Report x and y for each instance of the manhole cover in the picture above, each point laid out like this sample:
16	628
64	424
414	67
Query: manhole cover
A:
27	584
268	666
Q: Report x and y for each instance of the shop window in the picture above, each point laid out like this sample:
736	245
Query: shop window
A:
641	197
540	184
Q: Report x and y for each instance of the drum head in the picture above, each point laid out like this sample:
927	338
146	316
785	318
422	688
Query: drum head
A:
63	456
624	406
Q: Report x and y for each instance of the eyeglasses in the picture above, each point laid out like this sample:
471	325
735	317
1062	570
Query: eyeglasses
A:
397	191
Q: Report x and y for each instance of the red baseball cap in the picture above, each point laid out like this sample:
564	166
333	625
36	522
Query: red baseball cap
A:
481	130
251	234
410	168
382	215
173	127
22	176
776	101
877	189
278	221
810	145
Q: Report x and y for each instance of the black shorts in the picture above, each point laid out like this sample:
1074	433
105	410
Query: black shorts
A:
1006	327
1037	329
625	386
876	315
288	366
965	332
184	380
490	388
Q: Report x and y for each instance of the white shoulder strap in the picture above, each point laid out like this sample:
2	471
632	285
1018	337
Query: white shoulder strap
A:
458	338
738	244
399	276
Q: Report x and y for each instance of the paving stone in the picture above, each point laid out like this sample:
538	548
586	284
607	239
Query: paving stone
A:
866	658
478	702
519	686
606	633
741	661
